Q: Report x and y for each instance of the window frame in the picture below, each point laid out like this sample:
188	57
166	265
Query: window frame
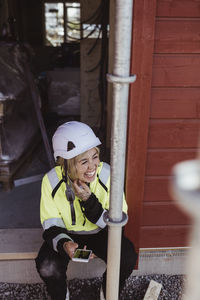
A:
65	38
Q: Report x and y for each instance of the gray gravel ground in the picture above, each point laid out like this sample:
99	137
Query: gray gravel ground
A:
135	289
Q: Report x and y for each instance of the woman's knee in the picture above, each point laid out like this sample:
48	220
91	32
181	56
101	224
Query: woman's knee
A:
49	268
50	264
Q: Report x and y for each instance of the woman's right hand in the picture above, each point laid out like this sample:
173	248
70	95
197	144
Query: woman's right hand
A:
70	247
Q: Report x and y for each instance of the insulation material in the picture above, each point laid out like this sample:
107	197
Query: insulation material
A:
12	83
64	91
18	123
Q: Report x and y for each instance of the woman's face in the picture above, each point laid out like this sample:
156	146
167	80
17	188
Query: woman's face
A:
86	167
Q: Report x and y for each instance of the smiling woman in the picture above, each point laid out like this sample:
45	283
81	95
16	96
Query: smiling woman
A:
86	165
75	195
76	163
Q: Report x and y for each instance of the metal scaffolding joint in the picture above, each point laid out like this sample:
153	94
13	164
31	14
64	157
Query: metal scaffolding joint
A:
110	222
121	79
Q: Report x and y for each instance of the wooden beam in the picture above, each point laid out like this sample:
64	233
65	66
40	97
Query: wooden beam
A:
18	256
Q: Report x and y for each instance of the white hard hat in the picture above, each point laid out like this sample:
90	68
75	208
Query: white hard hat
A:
73	138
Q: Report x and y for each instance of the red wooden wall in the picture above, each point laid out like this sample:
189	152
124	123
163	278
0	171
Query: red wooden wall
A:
164	116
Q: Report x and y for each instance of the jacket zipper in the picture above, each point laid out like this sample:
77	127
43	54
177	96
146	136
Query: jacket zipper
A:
73	215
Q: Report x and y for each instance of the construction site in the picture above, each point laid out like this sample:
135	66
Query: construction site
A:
130	70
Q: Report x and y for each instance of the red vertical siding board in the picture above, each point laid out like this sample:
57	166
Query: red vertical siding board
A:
140	92
163	117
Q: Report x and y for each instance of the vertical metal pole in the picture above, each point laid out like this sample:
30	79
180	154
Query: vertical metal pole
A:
121	80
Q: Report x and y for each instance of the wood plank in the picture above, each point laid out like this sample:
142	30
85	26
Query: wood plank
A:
164	236
139	106
157	189
175	103
18	256
166	213
153	291
178	8
173	134
176	70
160	162
177	36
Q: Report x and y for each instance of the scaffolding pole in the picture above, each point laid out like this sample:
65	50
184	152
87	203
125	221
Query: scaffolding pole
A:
120	79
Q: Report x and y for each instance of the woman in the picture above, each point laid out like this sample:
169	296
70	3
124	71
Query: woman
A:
74	197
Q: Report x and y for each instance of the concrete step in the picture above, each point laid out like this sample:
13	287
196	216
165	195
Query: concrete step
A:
18	249
20	243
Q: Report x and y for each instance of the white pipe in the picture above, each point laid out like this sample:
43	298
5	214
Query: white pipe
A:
113	267
120	79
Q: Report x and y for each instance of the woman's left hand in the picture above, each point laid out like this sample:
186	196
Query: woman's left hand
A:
81	190
70	247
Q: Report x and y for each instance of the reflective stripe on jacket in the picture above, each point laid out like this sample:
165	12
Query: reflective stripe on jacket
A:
55	211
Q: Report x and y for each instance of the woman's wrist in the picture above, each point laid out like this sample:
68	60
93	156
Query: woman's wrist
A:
86	196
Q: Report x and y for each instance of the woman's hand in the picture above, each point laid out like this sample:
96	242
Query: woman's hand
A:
81	189
92	255
70	247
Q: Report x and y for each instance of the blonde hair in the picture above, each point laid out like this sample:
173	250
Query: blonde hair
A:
71	163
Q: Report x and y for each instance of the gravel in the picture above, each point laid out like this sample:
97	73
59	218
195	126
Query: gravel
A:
136	286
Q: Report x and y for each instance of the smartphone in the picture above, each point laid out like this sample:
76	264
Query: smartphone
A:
82	255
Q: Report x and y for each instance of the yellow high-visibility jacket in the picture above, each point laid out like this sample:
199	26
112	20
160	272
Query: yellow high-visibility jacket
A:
60	217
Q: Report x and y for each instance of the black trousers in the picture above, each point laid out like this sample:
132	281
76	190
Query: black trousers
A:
52	266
